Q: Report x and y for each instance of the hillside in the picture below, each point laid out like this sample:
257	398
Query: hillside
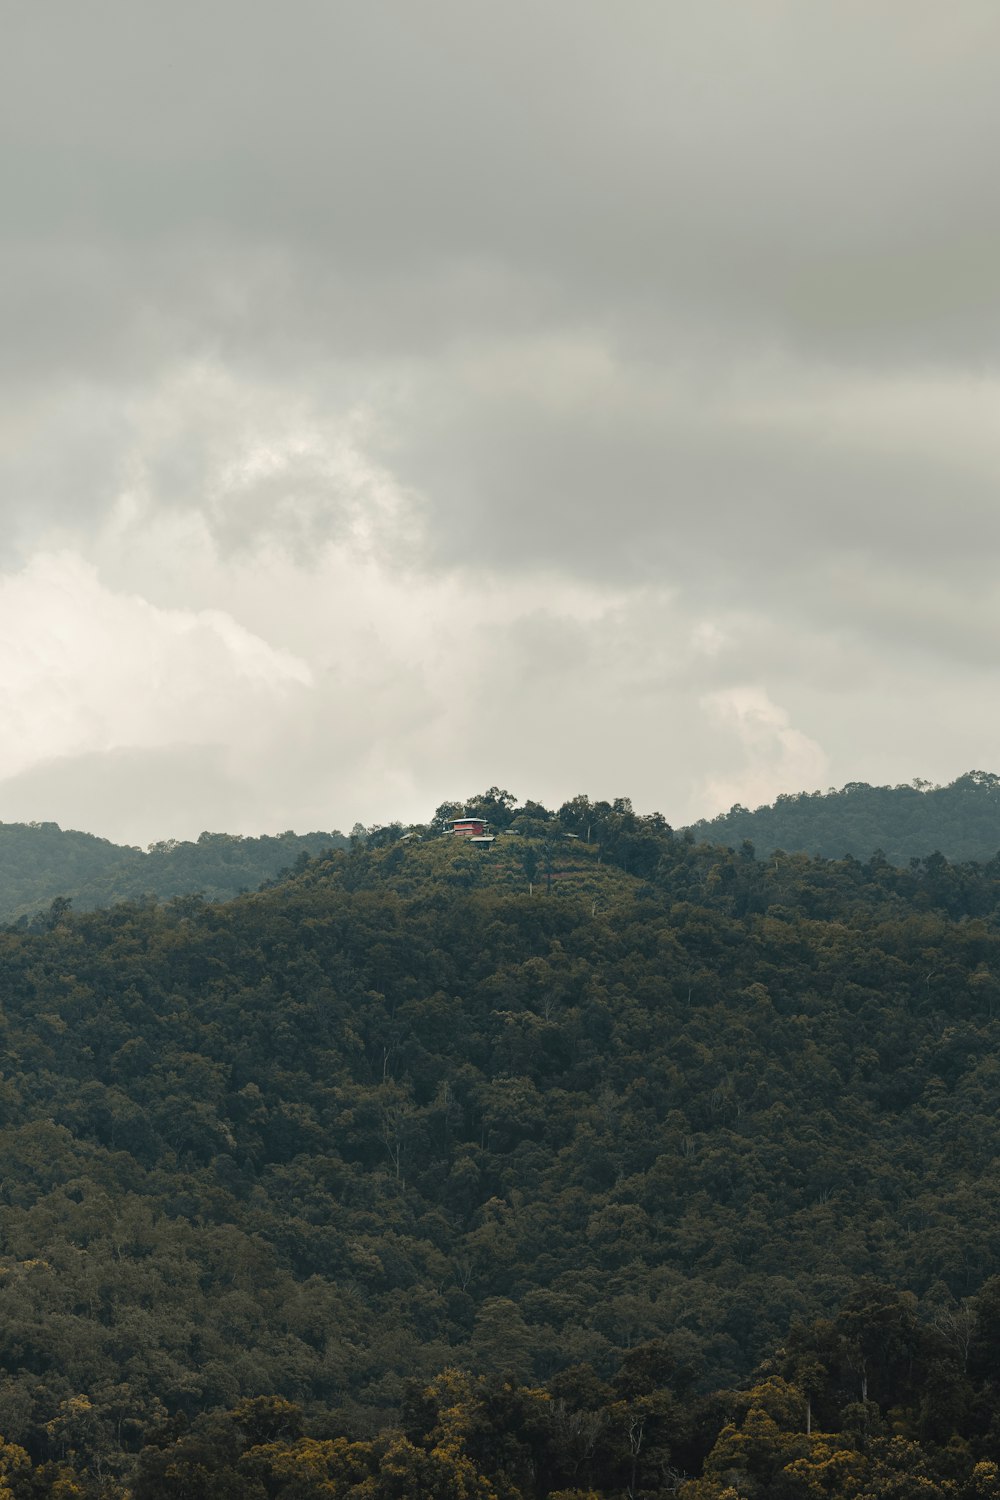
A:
960	821
608	1147
41	861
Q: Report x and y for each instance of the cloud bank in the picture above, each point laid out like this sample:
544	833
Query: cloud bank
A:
403	398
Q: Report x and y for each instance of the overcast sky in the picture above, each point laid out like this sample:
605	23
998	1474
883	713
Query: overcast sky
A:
405	396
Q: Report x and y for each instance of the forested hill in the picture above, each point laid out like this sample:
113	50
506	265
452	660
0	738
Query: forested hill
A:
508	1174
41	861
960	821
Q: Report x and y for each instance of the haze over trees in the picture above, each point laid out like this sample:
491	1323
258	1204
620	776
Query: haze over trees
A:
39	861
677	1175
961	821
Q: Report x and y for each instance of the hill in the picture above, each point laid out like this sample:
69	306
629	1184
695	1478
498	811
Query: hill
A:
41	861
607	1146
960	821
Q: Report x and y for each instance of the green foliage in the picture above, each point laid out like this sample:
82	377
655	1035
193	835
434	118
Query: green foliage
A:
41	862
680	1121
961	820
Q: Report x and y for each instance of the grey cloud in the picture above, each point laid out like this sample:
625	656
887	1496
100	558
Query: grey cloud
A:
625	488
367	182
768	163
693	300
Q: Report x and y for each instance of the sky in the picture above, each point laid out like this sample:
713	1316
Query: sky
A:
404	397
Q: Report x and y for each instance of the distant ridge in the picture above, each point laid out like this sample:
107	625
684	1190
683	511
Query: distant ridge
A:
40	862
960	821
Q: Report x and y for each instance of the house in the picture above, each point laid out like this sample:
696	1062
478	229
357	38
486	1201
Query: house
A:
476	830
469	828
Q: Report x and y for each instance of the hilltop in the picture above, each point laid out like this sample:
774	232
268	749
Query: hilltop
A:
40	862
552	863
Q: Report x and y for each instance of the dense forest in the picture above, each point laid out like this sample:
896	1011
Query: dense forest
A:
961	821
598	1163
41	861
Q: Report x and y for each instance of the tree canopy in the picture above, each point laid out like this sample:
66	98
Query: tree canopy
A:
416	1173
961	821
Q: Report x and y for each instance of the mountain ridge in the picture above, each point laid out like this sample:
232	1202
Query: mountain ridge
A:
960	821
40	862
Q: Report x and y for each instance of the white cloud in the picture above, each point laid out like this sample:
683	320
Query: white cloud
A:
776	755
84	668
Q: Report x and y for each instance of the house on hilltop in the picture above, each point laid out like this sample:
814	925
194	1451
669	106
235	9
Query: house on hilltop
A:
476	830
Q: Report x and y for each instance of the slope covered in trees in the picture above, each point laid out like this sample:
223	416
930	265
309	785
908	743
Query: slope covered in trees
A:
961	821
678	1122
41	861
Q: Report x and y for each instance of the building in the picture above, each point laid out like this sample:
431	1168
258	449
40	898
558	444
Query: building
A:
476	830
469	828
